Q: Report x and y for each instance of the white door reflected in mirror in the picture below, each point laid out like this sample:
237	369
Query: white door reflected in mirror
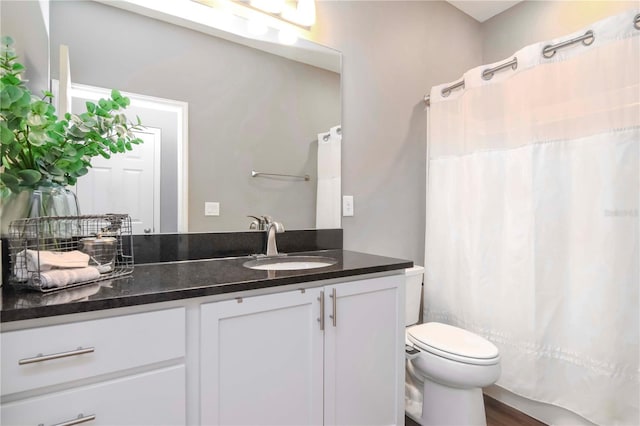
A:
126	183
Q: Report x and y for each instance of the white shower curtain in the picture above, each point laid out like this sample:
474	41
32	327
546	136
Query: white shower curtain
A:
532	219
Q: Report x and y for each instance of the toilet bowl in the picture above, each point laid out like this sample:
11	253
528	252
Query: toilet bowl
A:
450	365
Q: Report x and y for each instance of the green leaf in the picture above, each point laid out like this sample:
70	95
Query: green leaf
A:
9	179
6	136
70	151
6	40
17	67
91	107
14	93
10	80
29	177
101	112
35	120
37	138
40	107
5	100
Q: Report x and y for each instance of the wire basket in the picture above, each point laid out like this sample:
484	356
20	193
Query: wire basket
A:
53	253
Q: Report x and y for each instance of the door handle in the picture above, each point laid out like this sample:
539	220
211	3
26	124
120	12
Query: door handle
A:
321	319
333	303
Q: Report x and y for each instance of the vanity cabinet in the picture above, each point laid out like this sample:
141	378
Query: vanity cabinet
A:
121	370
261	360
329	355
364	353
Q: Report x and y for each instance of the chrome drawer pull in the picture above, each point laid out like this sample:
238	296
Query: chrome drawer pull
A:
41	357
81	419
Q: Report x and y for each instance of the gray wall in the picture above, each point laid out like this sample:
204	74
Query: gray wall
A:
247	109
27	23
393	52
534	21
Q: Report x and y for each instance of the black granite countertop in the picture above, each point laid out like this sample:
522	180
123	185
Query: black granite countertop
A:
161	282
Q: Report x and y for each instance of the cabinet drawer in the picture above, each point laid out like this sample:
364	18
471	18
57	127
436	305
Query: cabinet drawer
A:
154	398
111	344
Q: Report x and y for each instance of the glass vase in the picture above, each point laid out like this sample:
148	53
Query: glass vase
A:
51	200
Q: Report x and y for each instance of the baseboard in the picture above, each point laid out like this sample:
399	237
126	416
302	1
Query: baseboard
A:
546	413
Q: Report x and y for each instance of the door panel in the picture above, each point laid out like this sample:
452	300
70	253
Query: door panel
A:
126	183
262	361
364	362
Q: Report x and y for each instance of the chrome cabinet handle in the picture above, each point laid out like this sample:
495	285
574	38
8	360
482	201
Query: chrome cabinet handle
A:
333	302
81	419
41	358
321	319
147	230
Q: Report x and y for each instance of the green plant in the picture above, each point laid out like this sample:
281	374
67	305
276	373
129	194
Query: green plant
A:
38	148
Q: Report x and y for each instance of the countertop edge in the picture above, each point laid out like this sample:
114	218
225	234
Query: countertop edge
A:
84	306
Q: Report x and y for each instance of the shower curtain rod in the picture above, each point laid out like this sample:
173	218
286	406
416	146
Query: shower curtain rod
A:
548	51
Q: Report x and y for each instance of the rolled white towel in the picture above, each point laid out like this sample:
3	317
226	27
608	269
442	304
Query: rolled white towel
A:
26	262
56	278
55	259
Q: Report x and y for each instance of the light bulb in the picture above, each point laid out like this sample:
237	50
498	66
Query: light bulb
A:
256	27
306	12
271	6
287	36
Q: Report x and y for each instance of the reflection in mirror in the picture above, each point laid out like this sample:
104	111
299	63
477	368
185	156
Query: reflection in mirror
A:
247	110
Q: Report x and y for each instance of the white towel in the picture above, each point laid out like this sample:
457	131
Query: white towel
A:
32	265
56	259
56	278
328	205
34	261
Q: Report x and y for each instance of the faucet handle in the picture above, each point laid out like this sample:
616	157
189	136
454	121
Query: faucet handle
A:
267	219
259	223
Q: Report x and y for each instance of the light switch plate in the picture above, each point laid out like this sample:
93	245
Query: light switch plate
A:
211	208
347	205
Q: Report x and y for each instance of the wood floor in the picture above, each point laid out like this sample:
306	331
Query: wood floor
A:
498	414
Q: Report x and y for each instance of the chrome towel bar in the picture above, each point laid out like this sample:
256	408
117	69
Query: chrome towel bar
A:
256	174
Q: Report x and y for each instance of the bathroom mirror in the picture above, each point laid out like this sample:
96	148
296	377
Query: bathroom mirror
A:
248	109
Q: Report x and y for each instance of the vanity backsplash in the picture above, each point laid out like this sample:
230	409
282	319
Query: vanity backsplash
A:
193	246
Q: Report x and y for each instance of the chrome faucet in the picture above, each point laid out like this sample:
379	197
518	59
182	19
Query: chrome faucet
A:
271	228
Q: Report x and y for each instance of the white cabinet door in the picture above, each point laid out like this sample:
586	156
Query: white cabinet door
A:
364	352
154	398
262	360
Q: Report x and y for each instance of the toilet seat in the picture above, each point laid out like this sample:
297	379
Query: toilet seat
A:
453	343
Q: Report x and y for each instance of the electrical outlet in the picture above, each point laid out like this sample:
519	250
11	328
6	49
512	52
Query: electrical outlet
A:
347	205
211	208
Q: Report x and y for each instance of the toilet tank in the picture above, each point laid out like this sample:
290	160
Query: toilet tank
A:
413	293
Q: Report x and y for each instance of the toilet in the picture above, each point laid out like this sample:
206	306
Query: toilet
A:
449	364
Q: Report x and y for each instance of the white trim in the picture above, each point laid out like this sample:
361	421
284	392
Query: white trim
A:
157	152
180	108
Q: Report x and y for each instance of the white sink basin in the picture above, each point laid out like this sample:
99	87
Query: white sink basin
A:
289	263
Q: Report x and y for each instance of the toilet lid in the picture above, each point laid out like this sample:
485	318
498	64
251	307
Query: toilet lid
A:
452	342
